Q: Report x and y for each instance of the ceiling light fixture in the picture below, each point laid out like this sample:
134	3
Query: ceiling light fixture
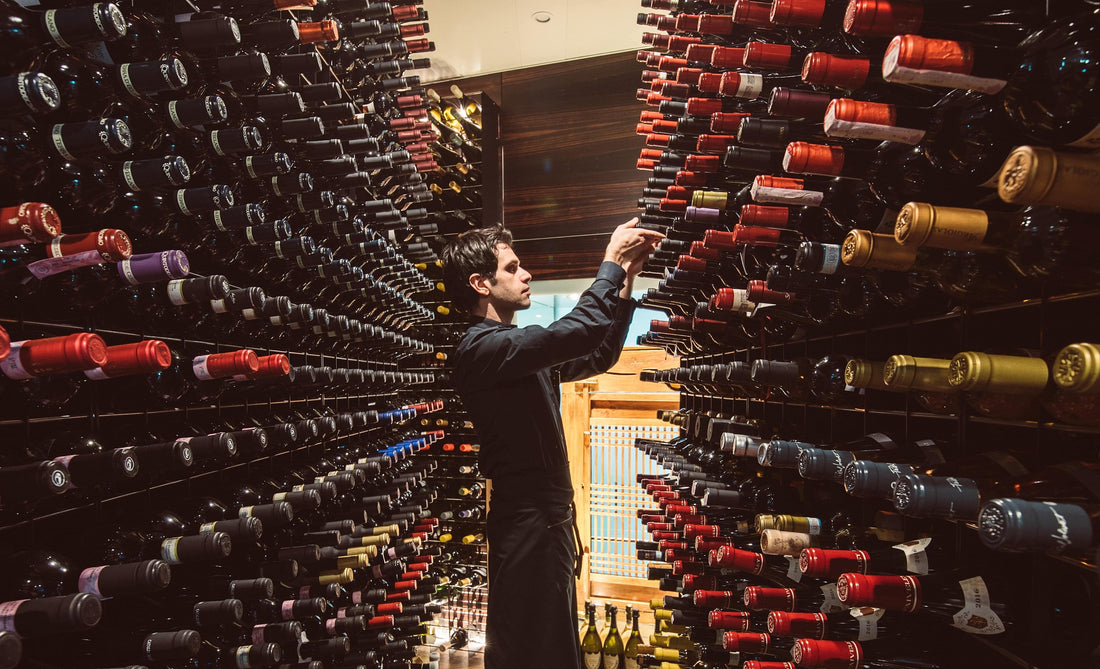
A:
542	17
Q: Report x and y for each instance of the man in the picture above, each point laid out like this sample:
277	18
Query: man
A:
508	379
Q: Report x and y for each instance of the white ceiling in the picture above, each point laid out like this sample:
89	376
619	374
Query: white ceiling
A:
482	36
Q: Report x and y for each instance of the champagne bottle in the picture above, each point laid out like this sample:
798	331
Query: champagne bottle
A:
591	648
613	648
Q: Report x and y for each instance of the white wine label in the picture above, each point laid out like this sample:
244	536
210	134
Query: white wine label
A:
175	292
611	662
244	512
206	528
50	266
7	615
218	223
831	258
794	572
279	250
12	366
219	306
976	616
275	185
868	618
96	374
593	660
835	127
88	581
59	142
916	559
749	86
169	550
127	83
278	497
50	19
241	657
769	195
630	663
128	175
896	73
832	603
248	166
1089	141
199	368
181	201
249	236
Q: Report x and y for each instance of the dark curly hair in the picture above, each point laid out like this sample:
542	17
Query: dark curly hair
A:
472	252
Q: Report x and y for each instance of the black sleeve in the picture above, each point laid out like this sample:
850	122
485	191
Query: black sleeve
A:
607	354
504	354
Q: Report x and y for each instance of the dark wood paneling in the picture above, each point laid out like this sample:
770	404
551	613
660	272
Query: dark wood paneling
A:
567	130
569	153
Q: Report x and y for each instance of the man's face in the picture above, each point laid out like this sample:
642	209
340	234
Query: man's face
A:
511	291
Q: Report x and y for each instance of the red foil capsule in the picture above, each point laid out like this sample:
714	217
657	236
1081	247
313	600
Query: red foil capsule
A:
823	69
789	624
715	599
5	344
54	355
759	292
894	593
806	158
702	106
681	508
747	642
692	531
709	82
271	366
143	357
398	596
715	143
223	365
737	621
757	236
698	250
698	52
807	13
727	123
747	561
112	245
827	654
702	163
827	563
763	216
671	64
727	57
28	222
693	582
380	622
883	18
753	13
320	31
768	56
770	599
390	608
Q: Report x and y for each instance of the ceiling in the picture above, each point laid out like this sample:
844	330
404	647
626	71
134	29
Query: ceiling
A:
479	36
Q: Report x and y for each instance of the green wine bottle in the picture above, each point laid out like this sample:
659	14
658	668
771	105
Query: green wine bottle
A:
591	648
613	644
630	656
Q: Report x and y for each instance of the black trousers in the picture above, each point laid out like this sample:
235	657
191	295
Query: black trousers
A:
532	617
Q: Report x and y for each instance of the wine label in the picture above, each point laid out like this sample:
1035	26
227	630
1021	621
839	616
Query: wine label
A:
175	292
59	141
12	366
200	369
916	559
592	660
7	614
169	550
173	115
88	581
50	266
241	657
128	175
287	609
835	127
50	18
206	528
96	374
216	143
976	616
831	258
896	73
794	570
611	661
219	306
248	234
1089	141
832	603
127	271
749	85
868	618
789	196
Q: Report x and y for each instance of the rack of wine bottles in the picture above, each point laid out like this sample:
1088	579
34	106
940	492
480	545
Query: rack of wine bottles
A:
217	354
879	271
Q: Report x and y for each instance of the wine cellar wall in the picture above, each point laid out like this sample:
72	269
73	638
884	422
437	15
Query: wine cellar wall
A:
229	435
879	273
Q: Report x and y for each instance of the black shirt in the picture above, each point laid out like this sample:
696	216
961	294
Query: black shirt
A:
508	379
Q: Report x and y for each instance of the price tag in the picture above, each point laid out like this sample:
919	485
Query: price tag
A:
976	616
916	559
868	618
794	571
832	603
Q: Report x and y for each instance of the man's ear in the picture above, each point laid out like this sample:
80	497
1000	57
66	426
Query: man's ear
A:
480	284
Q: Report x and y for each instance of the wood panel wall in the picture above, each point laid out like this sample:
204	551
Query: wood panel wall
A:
567	131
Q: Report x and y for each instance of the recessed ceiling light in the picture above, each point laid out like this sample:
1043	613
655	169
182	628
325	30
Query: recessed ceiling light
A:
542	17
